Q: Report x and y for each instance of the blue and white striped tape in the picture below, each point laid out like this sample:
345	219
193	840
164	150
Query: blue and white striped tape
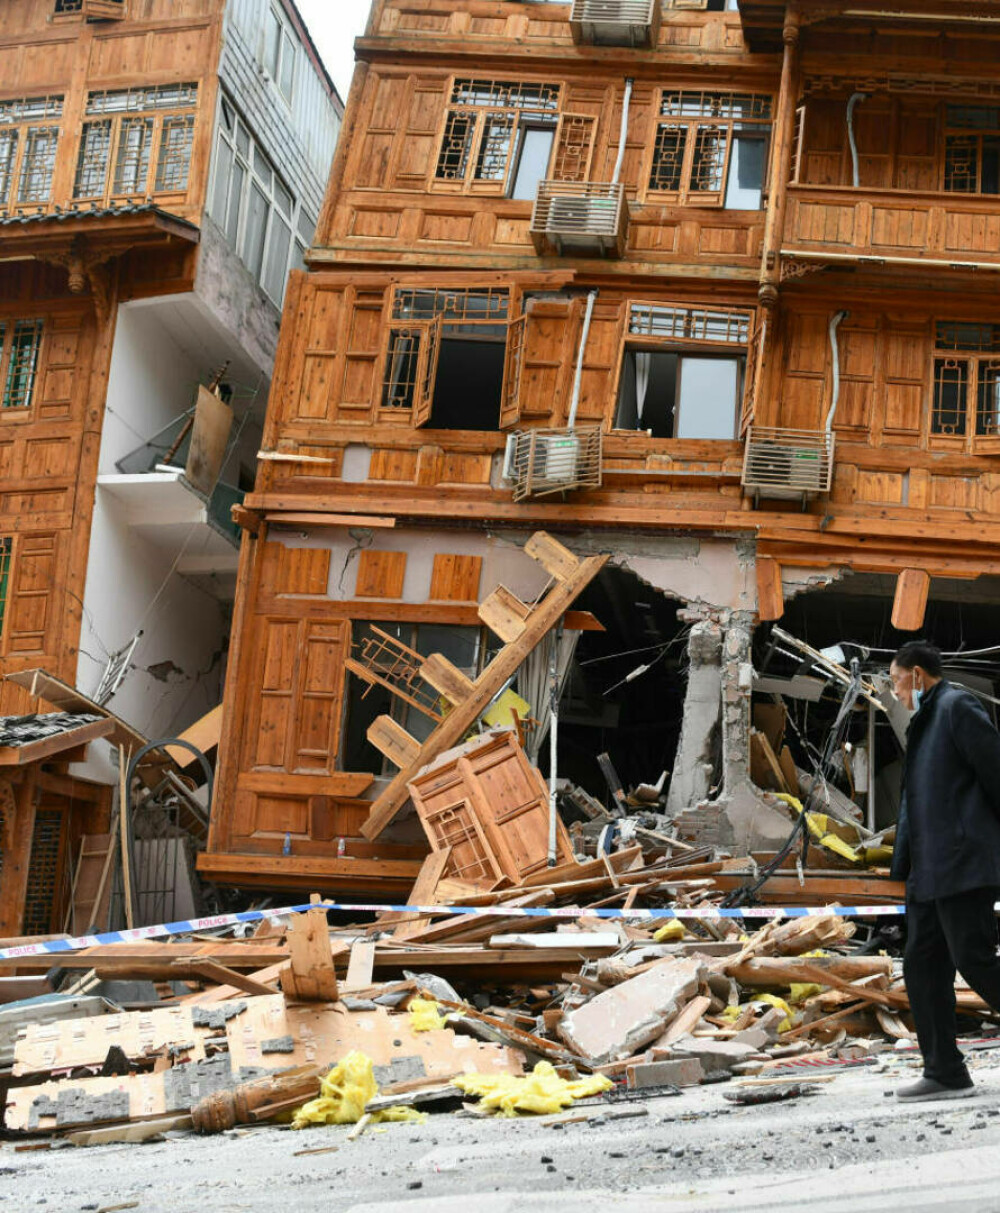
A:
192	925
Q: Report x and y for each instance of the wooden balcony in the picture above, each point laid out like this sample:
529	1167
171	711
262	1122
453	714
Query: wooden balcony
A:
831	224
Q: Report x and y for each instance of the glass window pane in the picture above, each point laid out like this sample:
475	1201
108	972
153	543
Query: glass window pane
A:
262	167
707	398
23	364
276	269
235	202
132	162
283	199
175	154
951	385
286	72
988	399
746	174
272	42
37	164
8	154
306	227
242	141
256	230
220	191
533	161
495	148
92	162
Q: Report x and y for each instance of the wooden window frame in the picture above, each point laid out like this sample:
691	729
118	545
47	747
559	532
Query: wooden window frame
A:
21	127
516	115
89	10
6	580
691	126
8	330
120	120
974	362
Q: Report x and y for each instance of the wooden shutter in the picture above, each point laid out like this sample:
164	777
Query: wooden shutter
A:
752	372
574	148
510	409
427	364
318	696
32	579
107	10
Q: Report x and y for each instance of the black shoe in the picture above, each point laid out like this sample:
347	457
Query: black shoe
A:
927	1088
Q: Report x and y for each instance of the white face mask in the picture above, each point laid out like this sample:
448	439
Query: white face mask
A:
918	694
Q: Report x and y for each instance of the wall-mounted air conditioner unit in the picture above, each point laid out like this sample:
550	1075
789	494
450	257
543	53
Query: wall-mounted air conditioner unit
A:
787	465
544	461
579	217
615	22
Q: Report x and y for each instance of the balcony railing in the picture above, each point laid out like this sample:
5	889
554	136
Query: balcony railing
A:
615	22
580	219
840	223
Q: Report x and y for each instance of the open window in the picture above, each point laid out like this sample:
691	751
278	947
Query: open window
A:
446	357
683	371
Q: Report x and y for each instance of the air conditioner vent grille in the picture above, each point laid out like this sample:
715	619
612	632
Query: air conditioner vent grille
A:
786	464
544	461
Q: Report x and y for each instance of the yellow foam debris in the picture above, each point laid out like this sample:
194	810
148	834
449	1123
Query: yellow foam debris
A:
501	713
541	1092
669	932
344	1092
425	1015
818	826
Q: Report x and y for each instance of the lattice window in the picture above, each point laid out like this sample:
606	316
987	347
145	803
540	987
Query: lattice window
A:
676	323
43	872
6	545
37	164
118	152
966	381
572	157
488	306
972	149
19	349
719	162
487	126
69	6
401	368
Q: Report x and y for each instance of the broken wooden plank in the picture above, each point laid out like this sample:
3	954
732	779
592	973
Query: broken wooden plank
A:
360	966
309	974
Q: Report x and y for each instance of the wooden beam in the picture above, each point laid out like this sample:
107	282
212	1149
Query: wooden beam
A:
770	595
302	518
422	894
309	974
35	751
458	722
391	739
910	603
212	971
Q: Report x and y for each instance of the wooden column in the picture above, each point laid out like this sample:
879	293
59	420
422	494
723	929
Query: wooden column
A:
910	603
782	141
770	596
17	861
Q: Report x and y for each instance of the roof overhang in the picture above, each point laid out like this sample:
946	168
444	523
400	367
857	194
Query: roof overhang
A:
763	20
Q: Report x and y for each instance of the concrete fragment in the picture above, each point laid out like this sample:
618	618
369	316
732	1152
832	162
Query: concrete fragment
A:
714	1055
756	1038
617	1023
682	1072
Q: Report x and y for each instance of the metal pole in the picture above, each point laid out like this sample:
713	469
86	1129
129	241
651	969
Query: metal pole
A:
553	740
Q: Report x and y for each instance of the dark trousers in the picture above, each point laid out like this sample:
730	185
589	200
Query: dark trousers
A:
958	932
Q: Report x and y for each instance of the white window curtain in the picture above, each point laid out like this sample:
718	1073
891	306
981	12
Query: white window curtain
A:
533	684
643	362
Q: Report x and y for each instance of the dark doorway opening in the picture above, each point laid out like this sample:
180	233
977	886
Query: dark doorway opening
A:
468	385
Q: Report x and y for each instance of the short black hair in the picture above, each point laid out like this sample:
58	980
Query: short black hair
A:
919	652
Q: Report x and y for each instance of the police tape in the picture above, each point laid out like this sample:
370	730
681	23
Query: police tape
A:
190	926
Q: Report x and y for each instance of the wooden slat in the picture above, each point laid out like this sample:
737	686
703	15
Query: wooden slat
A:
505	614
446	678
392	740
422	894
556	559
770	596
380	574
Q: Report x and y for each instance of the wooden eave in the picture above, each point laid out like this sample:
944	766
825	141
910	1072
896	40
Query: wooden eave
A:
58	743
109	234
763	20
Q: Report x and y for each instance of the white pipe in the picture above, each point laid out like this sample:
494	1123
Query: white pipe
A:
553	743
835	320
574	403
623	132
854	99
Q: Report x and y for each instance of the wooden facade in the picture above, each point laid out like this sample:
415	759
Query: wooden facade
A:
748	234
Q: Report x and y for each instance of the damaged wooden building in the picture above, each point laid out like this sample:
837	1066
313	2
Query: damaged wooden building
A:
702	291
162	167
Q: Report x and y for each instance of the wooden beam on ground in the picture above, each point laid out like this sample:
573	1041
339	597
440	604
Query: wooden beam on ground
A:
421	894
458	722
309	975
211	970
910	603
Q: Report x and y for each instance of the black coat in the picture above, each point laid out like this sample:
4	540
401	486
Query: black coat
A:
948	837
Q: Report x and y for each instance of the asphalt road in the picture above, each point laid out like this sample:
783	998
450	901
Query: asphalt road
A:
848	1148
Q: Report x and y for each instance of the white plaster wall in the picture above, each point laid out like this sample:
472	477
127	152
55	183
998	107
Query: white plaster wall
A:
129	581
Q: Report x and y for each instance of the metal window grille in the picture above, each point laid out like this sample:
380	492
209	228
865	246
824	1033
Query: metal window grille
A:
494	149
43	872
92	161
22	364
505	94
135	141
175	154
28	109
401	366
5	553
37	164
675	323
456	146
951	394
454	307
115	671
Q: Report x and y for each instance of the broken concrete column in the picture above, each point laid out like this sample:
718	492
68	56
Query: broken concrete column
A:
694	765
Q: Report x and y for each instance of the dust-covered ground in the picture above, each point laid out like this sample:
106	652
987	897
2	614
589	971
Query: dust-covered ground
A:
848	1147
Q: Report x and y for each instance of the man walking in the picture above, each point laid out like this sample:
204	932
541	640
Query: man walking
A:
948	852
